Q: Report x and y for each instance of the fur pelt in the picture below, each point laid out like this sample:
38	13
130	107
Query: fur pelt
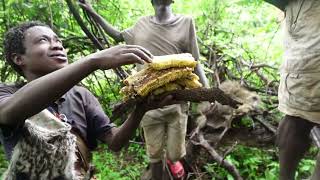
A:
43	152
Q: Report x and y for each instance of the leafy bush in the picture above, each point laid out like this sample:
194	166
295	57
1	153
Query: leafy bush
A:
125	165
258	164
3	161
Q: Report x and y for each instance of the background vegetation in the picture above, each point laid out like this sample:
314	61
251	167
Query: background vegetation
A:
241	30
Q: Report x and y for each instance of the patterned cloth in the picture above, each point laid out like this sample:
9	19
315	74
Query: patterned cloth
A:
46	150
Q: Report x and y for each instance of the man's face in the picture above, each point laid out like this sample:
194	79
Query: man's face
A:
44	52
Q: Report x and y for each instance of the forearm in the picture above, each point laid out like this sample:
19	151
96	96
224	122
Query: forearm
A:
39	93
202	76
126	131
109	29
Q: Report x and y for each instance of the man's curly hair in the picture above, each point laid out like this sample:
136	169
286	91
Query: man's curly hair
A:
14	42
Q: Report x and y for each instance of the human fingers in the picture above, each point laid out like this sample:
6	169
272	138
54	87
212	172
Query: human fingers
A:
166	100
132	58
146	51
140	53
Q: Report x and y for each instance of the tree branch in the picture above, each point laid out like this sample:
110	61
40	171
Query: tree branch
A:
194	95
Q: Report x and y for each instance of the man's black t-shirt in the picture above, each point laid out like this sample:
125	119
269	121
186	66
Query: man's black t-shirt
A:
82	110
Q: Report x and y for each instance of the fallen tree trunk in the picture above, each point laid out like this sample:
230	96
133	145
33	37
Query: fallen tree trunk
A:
193	95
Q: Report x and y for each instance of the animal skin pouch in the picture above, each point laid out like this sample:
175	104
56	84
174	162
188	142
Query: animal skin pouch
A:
45	151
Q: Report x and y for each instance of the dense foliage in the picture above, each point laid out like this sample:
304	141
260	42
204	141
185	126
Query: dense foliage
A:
235	30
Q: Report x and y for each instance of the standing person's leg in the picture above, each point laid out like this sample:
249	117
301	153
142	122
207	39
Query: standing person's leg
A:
293	140
316	172
177	128
154	134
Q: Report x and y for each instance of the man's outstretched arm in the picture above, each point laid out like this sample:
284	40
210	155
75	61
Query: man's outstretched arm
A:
117	137
109	29
202	76
39	93
194	50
